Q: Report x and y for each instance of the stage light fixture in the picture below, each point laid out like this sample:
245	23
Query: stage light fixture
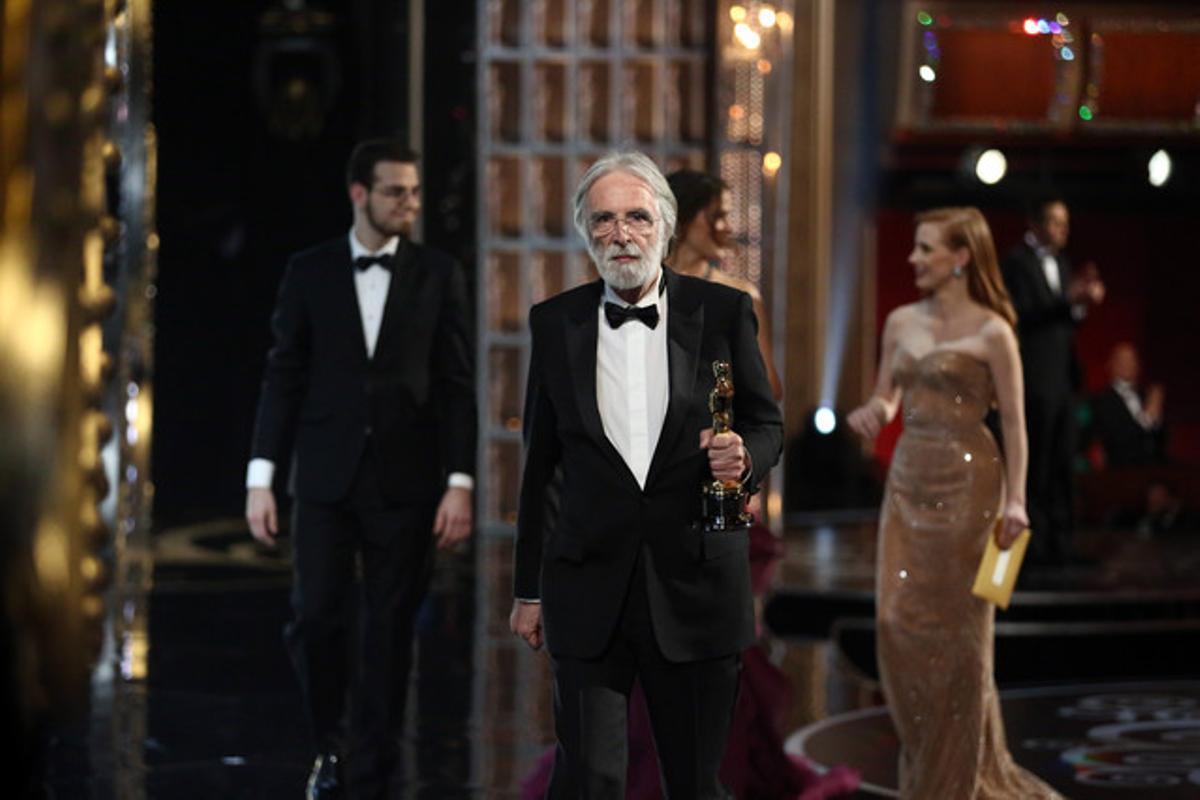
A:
927	73
1159	168
991	167
825	420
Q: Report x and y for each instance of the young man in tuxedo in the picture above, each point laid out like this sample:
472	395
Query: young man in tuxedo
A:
371	377
1050	301
624	582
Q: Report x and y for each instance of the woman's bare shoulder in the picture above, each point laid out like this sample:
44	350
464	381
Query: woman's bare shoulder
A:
903	315
996	330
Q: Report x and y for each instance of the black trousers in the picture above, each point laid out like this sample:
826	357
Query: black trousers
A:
393	546
1050	422
690	704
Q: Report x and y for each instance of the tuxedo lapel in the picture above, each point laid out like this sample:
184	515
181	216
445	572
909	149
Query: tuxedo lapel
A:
407	271
685	326
582	331
343	300
1039	275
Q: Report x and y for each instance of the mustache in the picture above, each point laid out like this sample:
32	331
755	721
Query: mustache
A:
629	249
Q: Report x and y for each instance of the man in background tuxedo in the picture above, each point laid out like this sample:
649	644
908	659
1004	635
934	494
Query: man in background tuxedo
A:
371	375
1128	424
1050	301
624	582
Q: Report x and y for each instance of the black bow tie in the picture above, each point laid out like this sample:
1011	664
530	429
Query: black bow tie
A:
619	315
385	260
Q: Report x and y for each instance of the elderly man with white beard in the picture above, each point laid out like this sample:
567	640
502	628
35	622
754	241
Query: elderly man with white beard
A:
622	581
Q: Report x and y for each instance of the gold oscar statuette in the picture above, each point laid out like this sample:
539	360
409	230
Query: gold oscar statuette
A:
724	502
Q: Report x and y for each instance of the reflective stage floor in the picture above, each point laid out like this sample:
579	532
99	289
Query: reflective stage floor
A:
1090	742
196	698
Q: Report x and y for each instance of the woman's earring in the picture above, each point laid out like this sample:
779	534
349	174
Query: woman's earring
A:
958	272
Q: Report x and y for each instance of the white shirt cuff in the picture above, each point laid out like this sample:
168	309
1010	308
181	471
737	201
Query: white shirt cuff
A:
460	480
260	473
529	601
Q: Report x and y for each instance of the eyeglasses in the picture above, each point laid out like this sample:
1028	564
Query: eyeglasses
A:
397	192
638	223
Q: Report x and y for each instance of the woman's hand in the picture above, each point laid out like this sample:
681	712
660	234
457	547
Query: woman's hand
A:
1015	521
867	420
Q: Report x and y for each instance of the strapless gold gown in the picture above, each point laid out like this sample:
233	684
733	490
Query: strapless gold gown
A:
945	489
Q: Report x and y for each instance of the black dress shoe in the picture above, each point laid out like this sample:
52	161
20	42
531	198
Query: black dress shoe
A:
325	781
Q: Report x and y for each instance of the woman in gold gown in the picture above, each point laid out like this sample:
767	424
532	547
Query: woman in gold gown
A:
948	356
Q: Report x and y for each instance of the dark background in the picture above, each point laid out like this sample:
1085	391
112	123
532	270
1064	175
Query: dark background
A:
239	192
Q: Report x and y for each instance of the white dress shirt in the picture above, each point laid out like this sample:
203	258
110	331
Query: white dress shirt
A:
632	381
371	287
1126	391
1053	274
1049	263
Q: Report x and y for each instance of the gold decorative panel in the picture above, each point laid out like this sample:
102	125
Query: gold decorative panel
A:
560	83
63	112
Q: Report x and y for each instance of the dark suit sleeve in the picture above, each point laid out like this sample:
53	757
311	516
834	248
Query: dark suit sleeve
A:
286	376
756	415
454	376
542	454
1019	276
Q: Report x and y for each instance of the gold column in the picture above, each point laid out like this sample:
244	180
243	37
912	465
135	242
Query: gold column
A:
811	211
53	368
858	371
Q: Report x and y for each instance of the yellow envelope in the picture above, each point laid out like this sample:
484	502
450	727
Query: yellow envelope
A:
998	570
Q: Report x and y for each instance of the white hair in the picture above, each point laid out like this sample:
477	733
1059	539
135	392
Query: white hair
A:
640	166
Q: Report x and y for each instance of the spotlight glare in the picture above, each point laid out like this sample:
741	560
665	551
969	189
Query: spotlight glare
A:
747	36
991	167
927	73
766	16
1031	27
825	420
737	13
1159	168
771	163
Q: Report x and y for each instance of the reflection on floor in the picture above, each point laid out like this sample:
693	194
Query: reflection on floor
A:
1090	742
202	703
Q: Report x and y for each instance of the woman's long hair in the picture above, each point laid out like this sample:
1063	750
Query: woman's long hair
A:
965	227
693	191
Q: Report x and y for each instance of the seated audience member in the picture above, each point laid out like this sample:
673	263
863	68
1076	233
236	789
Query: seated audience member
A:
1129	424
1165	513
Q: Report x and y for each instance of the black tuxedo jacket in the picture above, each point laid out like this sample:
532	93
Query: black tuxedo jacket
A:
580	562
1125	441
412	403
1045	326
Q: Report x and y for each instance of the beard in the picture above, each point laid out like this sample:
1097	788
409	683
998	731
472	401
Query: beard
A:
386	227
623	275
